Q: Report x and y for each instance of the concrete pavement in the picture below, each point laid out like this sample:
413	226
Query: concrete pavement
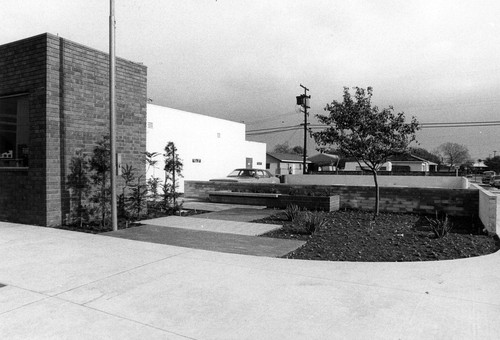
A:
63	284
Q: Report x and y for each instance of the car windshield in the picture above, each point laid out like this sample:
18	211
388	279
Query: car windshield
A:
242	173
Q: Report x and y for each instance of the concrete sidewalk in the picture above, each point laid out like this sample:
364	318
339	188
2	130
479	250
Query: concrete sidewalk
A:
63	284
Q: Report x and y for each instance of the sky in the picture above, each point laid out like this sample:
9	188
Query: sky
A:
245	60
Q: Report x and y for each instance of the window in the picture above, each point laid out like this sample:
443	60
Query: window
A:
14	131
401	168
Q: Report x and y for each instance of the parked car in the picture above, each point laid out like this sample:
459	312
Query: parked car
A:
249	175
487	175
495	181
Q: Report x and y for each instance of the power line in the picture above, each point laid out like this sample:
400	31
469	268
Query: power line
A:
274	131
273	128
422	125
274	117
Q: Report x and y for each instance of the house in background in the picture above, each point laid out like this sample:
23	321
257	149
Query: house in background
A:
411	163
53	102
284	163
479	166
400	163
208	147
324	162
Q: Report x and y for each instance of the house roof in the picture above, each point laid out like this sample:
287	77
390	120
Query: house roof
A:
402	158
324	158
479	165
287	157
409	158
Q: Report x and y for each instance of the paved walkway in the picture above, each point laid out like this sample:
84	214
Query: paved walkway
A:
68	285
194	204
215	241
223	230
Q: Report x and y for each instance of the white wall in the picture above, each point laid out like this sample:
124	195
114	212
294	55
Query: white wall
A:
384	181
354	166
218	144
489	209
414	166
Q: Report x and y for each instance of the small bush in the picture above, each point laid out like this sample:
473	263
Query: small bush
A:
440	225
309	223
292	211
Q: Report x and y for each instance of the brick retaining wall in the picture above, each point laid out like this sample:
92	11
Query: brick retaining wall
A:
324	203
455	202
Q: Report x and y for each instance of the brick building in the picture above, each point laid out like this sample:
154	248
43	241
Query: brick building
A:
54	101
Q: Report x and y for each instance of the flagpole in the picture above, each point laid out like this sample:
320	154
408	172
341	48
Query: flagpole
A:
112	115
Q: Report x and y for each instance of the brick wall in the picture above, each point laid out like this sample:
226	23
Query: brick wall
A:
23	70
69	110
325	203
455	202
79	114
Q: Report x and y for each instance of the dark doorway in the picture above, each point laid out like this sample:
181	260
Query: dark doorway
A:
249	163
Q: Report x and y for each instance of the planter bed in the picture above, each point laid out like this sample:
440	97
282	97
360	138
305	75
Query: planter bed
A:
271	200
353	235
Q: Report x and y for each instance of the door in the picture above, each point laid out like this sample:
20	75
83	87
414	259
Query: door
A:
249	163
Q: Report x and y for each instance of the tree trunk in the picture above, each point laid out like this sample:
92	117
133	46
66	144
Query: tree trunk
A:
377	194
80	208
173	179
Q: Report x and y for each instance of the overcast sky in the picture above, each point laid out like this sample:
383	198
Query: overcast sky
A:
244	60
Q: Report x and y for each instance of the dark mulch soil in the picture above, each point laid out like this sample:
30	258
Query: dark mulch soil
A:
92	228
354	236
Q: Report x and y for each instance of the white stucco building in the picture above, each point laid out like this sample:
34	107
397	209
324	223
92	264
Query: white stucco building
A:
209	147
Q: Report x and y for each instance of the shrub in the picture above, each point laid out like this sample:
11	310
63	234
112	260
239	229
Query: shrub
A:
137	199
128	175
292	211
440	225
79	183
100	167
309	223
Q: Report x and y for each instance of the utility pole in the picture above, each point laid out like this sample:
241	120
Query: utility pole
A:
112	113
303	100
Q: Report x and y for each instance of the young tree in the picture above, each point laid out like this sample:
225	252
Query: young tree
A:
128	176
151	161
173	170
153	182
79	182
454	154
100	165
365	133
